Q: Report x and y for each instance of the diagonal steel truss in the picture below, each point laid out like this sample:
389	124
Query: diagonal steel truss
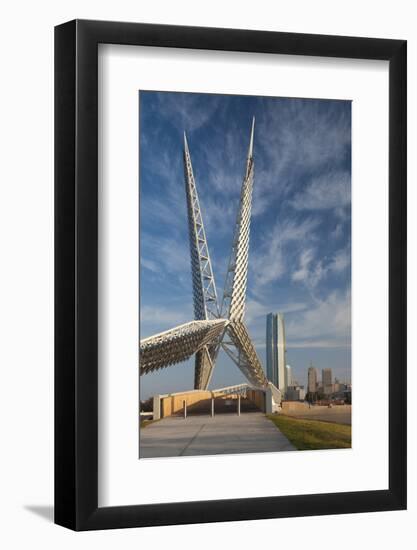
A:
234	295
204	286
246	357
213	326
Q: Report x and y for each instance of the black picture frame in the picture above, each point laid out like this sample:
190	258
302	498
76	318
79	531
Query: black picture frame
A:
76	272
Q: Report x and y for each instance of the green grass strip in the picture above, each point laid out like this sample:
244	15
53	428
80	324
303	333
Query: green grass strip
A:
313	434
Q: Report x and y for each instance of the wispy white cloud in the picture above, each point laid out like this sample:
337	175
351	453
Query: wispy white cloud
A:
269	264
224	164
331	190
319	344
218	215
337	231
340	261
256	310
169	214
318	323
169	255
312	270
162	318
298	141
185	110
162	206
303	271
326	324
149	264
260	203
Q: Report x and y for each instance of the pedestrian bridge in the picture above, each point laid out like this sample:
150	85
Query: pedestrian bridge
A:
236	399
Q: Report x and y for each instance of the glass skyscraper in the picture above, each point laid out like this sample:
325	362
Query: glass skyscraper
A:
275	350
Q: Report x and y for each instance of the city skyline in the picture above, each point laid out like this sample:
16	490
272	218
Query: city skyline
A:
294	266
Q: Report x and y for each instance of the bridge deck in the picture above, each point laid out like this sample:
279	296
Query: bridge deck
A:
221	406
202	435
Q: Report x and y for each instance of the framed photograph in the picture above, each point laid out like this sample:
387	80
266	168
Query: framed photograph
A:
230	284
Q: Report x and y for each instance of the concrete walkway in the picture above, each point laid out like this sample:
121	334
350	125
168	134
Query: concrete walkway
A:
203	435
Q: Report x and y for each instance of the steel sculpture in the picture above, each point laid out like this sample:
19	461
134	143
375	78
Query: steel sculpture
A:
214	326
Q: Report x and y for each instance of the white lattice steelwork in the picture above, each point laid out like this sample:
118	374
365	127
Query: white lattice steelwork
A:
244	353
204	286
205	360
212	327
234	296
177	344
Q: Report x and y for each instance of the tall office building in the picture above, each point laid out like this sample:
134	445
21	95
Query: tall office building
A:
275	350
312	379
327	380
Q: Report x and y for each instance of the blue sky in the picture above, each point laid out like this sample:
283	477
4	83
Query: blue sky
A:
300	244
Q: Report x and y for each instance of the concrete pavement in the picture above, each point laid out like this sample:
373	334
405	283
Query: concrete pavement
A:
203	435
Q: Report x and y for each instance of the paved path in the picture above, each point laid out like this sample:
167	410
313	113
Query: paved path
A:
202	435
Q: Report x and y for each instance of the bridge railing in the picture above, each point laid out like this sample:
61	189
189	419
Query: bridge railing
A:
173	403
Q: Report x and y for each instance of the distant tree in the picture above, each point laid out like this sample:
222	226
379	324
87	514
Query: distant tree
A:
147	405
